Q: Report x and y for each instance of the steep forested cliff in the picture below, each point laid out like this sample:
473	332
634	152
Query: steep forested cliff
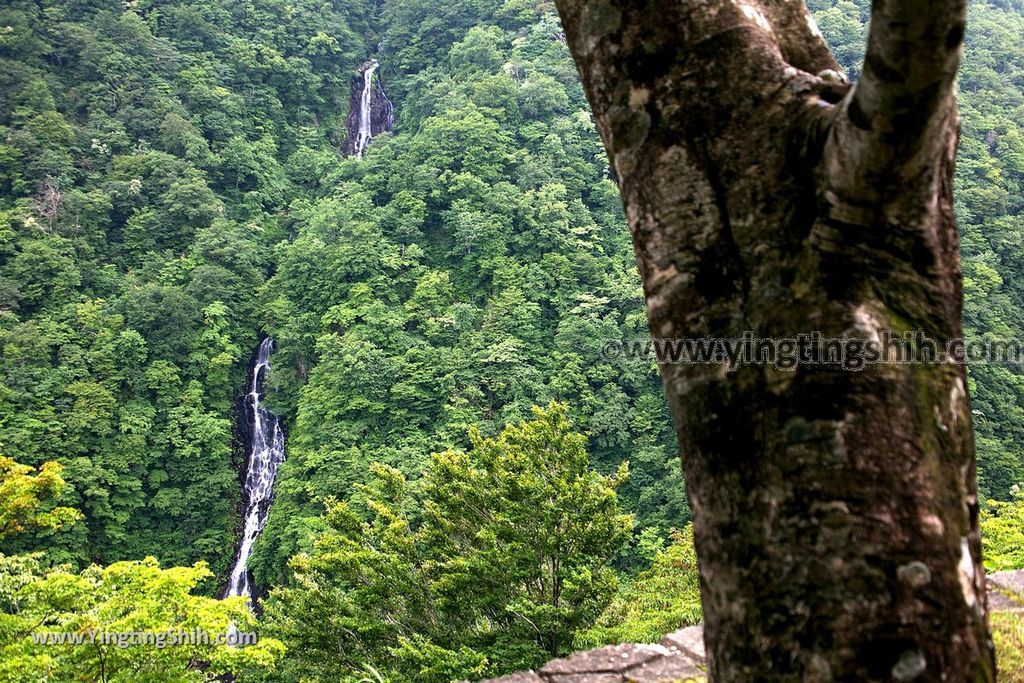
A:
174	189
149	155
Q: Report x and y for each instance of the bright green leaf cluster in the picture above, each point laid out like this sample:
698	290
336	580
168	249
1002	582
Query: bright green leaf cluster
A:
493	563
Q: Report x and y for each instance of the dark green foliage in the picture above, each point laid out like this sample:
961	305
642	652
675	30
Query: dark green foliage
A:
495	564
159	160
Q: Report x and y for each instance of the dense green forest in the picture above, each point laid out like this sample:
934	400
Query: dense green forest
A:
172	190
471	267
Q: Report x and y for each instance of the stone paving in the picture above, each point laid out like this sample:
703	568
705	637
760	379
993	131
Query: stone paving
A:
660	663
680	658
1006	591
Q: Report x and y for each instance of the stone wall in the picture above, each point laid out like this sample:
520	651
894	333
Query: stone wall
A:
679	657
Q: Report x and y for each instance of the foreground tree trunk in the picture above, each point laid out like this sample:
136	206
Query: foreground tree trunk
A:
835	512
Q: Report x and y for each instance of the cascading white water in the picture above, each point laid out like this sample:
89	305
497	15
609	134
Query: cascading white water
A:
365	133
265	456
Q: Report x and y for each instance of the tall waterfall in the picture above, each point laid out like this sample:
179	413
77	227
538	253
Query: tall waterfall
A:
365	133
265	456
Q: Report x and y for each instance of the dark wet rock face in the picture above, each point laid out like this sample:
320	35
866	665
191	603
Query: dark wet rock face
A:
680	656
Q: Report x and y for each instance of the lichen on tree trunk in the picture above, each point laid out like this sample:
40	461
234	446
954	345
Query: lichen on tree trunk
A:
835	512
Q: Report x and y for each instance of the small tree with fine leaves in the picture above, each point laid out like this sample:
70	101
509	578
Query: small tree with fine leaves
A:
495	566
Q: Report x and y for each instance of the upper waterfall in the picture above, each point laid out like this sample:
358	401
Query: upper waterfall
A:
365	132
370	112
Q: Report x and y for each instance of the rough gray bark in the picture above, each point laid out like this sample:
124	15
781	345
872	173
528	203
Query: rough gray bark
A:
835	512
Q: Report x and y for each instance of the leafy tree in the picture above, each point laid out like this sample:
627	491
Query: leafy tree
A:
1002	531
660	599
507	561
126	600
171	190
23	493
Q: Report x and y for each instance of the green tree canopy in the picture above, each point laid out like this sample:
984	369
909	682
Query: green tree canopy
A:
493	563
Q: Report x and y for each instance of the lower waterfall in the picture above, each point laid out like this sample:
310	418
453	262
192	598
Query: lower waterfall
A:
266	453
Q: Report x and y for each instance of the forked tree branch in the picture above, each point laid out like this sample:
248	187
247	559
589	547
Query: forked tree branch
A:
901	115
800	40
